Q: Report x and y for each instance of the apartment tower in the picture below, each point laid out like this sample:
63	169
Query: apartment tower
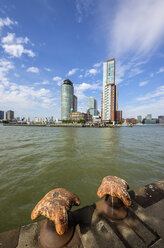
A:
109	97
9	115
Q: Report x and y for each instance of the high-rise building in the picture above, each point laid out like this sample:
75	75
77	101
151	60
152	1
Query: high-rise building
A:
9	115
92	106
101	105
118	116
74	103
1	115
68	99
149	116
109	101
139	118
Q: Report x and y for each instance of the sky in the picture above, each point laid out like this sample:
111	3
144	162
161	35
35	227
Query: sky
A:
42	42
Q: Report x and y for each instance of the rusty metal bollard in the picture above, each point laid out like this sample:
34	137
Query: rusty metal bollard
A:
55	231
117	198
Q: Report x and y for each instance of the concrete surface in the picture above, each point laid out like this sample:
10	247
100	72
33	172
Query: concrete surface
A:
143	226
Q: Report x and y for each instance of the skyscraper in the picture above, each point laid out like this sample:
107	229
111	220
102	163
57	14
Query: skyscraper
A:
109	96
92	106
74	103
1	115
68	99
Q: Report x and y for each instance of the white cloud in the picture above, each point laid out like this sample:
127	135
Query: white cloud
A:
81	88
16	75
45	82
47	69
121	71
6	22
143	83
158	92
135	71
127	70
160	70
11	38
14	45
58	80
33	69
5	67
153	107
98	64
18	97
72	72
82	7
137	27
91	72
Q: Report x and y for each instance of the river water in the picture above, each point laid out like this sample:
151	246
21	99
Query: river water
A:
34	160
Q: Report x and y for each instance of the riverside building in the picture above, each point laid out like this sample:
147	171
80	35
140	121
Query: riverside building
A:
1	115
68	100
92	106
10	115
109	96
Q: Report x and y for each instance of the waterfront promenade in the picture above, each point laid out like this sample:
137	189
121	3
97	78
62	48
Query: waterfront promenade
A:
143	226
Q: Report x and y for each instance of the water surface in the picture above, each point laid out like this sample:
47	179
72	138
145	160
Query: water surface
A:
34	160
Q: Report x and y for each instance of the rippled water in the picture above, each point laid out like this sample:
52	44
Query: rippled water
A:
34	160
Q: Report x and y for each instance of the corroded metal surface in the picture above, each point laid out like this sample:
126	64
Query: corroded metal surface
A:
142	227
55	205
115	187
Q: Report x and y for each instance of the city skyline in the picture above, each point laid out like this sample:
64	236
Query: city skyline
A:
43	42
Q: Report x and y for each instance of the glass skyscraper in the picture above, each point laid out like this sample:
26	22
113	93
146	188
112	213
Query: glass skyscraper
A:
92	106
68	99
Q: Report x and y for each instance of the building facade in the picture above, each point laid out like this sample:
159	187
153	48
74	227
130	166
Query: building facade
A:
1	115
161	119
110	93
118	116
92	106
139	118
149	117
76	116
10	115
74	103
68	99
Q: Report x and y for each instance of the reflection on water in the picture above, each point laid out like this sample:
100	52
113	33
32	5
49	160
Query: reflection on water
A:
34	160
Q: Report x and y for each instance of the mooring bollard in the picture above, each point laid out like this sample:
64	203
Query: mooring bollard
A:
117	198
57	230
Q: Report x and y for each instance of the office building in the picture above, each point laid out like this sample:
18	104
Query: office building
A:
109	100
139	118
10	115
68	99
149	117
161	119
1	115
92	106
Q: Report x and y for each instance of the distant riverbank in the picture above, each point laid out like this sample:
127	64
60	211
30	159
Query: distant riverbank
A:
78	125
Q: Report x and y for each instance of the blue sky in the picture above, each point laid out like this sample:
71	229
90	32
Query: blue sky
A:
43	42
